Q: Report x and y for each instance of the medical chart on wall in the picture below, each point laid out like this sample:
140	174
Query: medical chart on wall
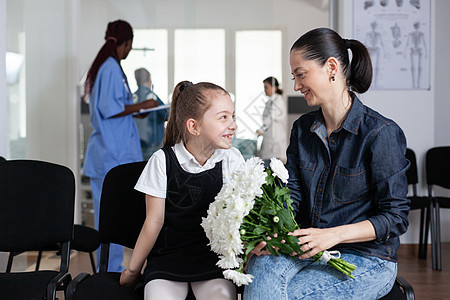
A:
397	34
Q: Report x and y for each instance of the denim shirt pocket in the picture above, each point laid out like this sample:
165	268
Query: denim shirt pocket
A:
306	170
350	184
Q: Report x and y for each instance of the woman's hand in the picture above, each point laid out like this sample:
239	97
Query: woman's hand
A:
259	132
315	240
128	278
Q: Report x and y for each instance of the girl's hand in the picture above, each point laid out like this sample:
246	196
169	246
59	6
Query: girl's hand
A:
259	250
315	240
128	278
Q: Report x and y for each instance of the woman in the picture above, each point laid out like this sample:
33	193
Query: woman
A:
115	139
274	126
347	168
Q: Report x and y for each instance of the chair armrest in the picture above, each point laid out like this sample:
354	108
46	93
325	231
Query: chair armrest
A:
62	279
407	288
71	288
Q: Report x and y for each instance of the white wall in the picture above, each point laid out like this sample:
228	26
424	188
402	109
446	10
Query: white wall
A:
441	80
3	107
50	35
3	116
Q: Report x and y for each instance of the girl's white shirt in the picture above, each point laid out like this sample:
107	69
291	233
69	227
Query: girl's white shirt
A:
153	180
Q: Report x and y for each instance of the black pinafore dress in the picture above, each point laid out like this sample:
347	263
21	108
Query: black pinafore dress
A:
181	251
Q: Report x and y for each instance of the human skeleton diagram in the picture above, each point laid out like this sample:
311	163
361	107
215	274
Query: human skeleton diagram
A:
417	51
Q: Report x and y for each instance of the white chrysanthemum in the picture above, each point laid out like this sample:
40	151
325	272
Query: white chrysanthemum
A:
229	261
238	277
279	170
226	213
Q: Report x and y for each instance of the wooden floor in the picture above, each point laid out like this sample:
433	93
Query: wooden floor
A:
427	284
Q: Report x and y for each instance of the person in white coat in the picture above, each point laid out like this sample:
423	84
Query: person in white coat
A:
274	129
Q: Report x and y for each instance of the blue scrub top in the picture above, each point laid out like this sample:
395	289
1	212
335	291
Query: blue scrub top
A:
114	141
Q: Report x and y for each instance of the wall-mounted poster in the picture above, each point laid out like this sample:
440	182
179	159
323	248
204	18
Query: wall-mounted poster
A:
397	34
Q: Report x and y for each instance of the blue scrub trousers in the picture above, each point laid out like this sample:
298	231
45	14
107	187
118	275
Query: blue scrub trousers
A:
115	251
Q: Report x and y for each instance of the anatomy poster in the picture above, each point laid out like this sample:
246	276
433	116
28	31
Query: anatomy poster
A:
397	34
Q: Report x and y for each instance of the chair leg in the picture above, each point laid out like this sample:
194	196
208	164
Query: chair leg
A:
91	256
433	235
427	229
10	262
438	237
421	235
38	260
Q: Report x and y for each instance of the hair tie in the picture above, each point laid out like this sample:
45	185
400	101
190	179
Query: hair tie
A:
346	43
111	38
185	85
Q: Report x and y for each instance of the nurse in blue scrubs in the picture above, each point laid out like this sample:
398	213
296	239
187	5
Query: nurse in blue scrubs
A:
115	139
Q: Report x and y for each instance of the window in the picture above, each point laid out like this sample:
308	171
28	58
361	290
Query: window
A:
149	51
258	56
200	55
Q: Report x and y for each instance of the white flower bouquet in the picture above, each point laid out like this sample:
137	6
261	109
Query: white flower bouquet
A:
255	206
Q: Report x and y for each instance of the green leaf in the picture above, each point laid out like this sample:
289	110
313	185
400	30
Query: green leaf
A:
293	242
286	220
279	191
259	230
272	249
287	249
270	211
250	246
269	179
276	242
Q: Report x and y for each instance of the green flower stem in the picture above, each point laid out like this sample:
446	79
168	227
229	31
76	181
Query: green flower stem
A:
339	264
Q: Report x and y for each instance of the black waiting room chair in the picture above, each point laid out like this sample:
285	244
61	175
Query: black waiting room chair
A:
418	202
36	213
438	174
122	214
402	290
85	239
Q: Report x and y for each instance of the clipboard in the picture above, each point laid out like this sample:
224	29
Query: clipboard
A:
159	107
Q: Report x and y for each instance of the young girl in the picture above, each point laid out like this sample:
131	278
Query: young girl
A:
180	181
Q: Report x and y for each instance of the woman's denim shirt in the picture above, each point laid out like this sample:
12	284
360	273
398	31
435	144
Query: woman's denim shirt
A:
358	174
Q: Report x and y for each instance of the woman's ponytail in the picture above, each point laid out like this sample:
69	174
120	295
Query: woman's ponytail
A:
360	76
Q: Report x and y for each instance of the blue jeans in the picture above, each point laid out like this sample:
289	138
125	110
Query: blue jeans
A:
285	277
115	251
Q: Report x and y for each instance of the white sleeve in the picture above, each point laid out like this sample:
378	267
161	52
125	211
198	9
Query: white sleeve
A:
234	160
153	180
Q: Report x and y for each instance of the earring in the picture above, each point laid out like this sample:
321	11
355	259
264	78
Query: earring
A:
333	78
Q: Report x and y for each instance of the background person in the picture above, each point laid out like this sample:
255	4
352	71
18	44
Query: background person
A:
347	173
274	118
151	129
115	139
